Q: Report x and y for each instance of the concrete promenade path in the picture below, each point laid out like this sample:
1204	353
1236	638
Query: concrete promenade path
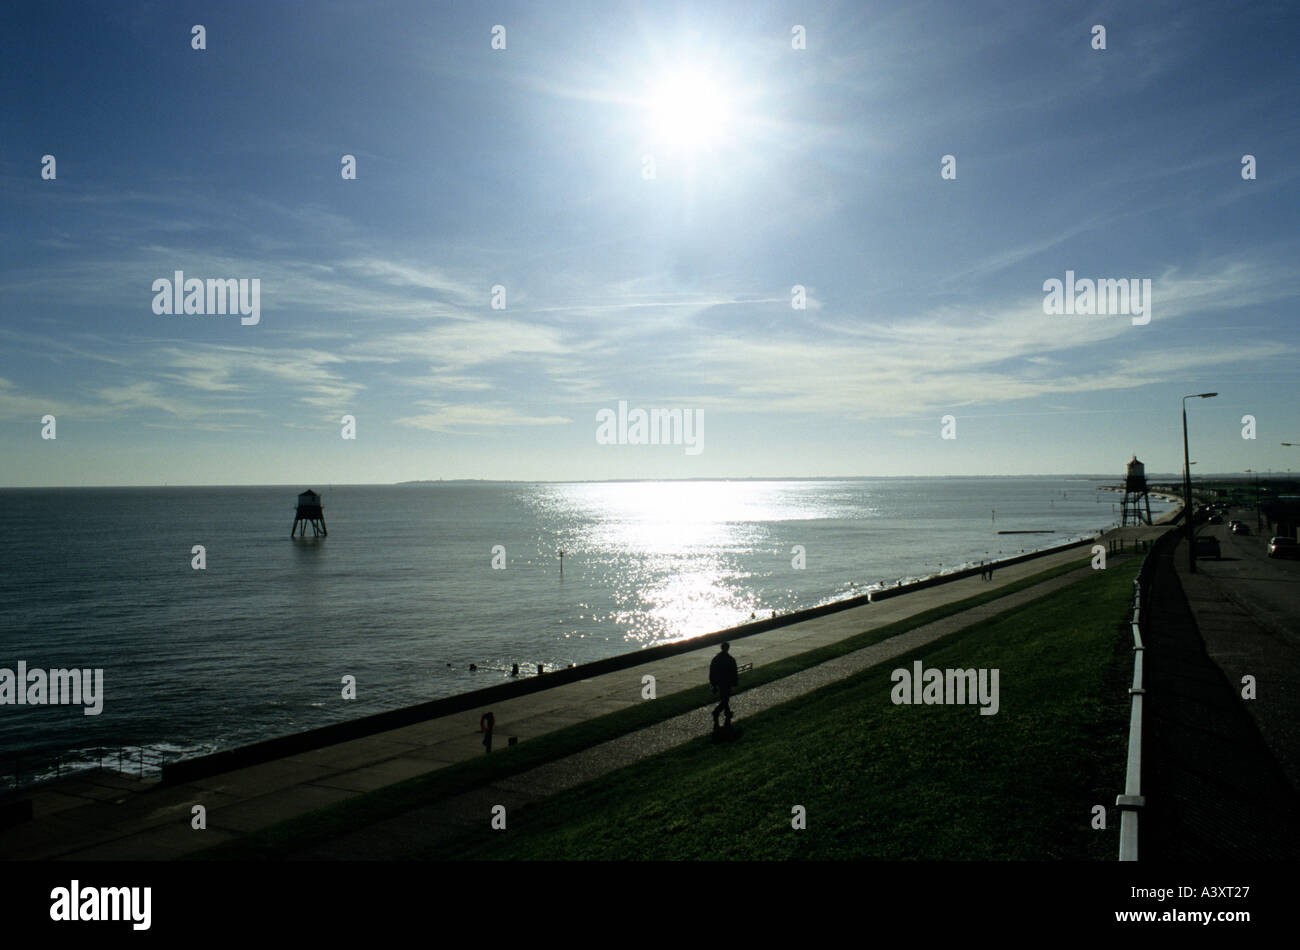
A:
102	815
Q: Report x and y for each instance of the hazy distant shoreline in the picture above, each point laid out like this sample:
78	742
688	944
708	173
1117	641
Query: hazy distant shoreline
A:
1115	479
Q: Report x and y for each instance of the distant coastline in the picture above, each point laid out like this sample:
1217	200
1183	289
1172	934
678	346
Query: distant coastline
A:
1113	478
1105	477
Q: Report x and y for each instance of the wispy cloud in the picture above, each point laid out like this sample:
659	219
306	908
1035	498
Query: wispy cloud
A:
448	418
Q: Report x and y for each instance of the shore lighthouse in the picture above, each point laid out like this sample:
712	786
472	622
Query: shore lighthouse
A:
1135	495
309	512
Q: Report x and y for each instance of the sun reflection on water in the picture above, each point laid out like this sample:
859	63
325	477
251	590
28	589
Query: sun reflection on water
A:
679	554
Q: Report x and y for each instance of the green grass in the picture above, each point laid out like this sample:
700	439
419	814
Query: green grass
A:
326	823
881	781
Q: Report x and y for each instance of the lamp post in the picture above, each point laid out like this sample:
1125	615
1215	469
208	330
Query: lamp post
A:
1292	445
1188	513
1259	517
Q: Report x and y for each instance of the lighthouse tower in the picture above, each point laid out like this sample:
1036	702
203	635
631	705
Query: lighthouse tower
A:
309	512
1135	495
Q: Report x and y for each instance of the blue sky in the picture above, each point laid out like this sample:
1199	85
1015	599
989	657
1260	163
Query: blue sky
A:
524	167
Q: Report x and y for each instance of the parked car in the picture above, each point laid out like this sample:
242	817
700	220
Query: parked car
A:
1283	547
1207	546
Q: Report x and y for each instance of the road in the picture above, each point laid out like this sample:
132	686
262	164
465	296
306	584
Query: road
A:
1266	588
1247	606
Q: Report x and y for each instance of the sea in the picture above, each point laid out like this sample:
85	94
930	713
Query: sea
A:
214	629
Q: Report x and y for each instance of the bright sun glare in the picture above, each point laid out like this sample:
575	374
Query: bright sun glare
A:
689	110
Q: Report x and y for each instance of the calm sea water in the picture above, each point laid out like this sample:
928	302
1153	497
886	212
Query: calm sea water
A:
403	596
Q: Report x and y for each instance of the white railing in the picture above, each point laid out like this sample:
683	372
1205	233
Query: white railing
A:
1131	802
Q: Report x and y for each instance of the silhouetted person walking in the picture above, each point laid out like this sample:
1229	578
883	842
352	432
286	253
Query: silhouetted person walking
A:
723	676
485	724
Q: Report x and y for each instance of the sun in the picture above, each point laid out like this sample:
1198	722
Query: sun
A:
689	110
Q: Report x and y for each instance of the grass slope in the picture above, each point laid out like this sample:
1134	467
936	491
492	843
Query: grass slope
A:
881	781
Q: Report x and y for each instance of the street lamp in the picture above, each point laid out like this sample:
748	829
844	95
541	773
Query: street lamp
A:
1259	517
1187	486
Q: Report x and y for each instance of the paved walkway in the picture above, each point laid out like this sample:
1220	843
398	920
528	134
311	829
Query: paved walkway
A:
105	816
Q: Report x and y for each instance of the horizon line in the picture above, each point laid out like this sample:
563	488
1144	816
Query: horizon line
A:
1119	478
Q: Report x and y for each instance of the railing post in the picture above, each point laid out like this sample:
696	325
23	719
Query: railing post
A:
1131	801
